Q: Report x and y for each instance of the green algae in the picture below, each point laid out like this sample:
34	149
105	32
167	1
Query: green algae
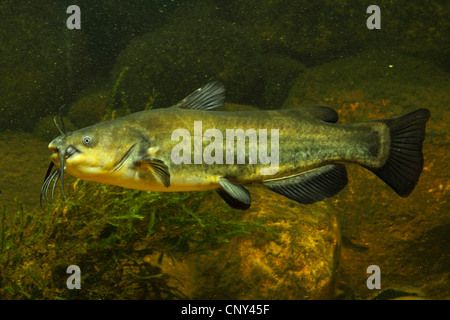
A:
108	231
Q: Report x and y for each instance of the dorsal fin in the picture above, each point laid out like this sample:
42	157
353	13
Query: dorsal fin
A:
209	97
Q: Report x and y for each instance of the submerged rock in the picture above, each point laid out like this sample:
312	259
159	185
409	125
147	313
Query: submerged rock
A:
391	82
318	31
42	62
177	58
297	259
110	25
406	237
89	109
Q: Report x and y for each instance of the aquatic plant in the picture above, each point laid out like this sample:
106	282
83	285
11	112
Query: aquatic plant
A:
110	233
151	99
118	102
118	99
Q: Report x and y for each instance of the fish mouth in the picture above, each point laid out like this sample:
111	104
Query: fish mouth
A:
70	150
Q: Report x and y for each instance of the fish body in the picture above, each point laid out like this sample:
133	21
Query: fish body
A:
299	153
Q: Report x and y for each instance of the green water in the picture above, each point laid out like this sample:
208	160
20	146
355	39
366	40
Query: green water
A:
130	56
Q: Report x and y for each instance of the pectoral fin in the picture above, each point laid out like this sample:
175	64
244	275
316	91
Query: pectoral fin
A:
157	167
235	196
311	186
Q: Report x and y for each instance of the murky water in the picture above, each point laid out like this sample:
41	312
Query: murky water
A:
111	58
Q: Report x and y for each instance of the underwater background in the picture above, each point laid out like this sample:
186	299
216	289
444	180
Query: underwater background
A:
132	55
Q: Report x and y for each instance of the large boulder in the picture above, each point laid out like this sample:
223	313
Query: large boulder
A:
300	262
293	256
406	237
317	31
90	109
42	62
109	26
187	53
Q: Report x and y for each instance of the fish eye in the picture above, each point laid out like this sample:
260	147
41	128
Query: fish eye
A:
86	140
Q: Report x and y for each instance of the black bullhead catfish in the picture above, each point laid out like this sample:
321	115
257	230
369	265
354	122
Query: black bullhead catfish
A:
299	153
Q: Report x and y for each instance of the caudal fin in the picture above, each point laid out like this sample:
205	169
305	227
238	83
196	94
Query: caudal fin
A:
405	162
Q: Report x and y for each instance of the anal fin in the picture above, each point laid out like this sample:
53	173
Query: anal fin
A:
311	186
234	195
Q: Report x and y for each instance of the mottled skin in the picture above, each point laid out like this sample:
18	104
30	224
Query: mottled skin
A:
305	142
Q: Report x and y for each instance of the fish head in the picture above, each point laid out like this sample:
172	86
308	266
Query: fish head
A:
94	152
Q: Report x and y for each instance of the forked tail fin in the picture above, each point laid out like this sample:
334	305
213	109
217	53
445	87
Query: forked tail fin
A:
405	162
